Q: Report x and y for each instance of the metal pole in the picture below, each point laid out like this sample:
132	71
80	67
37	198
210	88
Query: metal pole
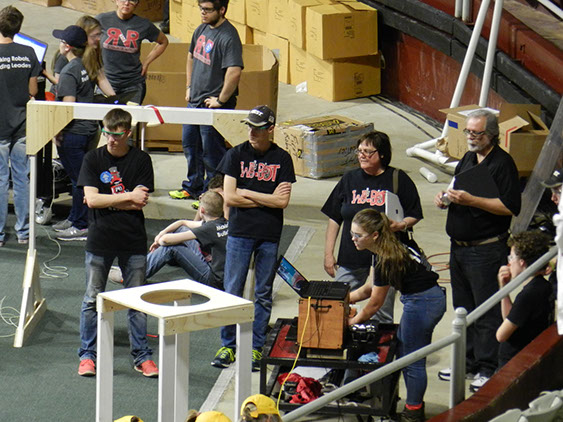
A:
491	49
466	66
458	6
466	12
457	381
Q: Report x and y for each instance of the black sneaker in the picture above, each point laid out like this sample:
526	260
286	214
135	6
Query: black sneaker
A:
223	358
409	415
256	359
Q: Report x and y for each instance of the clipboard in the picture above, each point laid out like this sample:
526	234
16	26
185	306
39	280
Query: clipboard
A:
477	181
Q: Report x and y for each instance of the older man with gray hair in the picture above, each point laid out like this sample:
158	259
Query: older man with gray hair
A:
478	228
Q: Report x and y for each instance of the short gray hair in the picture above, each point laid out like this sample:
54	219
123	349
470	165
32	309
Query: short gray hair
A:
491	124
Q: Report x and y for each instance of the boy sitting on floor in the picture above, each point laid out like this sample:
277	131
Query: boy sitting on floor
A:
532	310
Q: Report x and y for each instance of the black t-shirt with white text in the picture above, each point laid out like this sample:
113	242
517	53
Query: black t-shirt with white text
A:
212	238
260	173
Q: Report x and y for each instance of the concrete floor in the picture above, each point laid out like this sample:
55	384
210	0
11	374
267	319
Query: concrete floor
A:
308	195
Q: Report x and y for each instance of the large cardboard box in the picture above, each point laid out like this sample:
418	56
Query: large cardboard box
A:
297	65
321	146
280	47
236	11
184	19
46	3
337	80
277	18
166	83
257	14
341	30
245	32
522	132
259	37
296	18
150	9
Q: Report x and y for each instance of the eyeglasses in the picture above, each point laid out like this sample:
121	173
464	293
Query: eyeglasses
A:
365	152
107	133
472	134
556	191
207	10
512	258
357	235
129	1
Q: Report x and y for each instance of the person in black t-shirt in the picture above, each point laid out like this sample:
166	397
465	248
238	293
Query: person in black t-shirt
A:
72	142
424	302
532	309
478	228
117	180
19	69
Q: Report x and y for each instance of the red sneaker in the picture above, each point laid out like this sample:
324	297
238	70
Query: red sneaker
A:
87	368
148	369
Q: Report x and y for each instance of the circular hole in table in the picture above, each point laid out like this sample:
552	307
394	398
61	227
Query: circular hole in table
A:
168	297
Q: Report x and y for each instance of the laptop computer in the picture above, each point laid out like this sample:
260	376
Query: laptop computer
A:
39	47
331	290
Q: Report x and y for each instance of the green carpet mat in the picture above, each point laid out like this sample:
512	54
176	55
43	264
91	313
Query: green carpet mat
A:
40	380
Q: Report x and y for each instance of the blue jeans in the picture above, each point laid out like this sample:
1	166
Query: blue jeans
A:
13	156
357	278
473	271
239	252
71	153
186	255
97	269
421	313
204	148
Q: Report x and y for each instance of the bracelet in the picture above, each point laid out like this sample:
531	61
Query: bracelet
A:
221	103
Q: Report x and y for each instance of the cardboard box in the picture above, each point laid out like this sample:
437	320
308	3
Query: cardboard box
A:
150	9
296	18
341	30
257	14
297	65
259	37
45	3
280	47
166	82
336	80
521	131
245	32
237	11
277	18
321	146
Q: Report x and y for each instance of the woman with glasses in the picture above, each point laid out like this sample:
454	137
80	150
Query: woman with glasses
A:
424	303
122	35
363	188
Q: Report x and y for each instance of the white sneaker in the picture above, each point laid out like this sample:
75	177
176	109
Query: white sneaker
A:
480	380
115	275
72	233
62	225
446	375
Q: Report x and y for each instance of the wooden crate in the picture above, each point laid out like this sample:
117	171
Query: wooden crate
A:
326	323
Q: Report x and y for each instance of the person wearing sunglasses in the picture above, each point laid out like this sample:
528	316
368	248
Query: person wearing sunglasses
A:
213	70
257	188
363	188
122	35
478	228
424	302
117	180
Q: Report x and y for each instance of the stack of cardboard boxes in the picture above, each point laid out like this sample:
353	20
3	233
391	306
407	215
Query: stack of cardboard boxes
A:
329	44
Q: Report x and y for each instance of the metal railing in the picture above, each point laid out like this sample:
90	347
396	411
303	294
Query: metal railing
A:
457	339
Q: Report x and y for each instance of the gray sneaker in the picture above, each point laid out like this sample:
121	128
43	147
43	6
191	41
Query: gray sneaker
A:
62	225
72	233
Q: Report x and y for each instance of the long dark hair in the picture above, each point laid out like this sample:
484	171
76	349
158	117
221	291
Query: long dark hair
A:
393	259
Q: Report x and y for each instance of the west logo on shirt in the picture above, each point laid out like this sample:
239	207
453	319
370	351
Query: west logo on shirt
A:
261	171
128	44
202	49
368	196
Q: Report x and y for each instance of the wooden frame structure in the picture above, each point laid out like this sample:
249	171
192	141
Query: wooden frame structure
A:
174	325
45	119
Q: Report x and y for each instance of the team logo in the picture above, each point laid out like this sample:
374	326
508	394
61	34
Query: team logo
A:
209	46
105	177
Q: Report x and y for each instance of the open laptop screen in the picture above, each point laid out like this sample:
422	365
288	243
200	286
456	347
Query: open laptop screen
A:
39	47
290	275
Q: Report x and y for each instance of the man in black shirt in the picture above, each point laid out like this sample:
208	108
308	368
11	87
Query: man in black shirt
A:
478	228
